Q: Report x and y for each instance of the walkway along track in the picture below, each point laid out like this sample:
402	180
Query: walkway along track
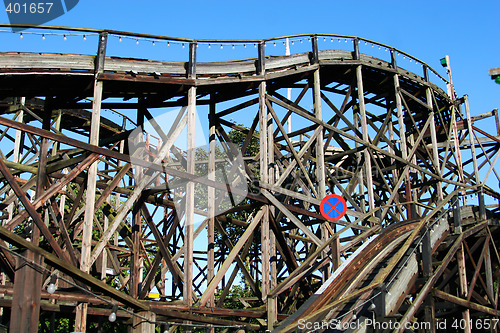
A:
391	142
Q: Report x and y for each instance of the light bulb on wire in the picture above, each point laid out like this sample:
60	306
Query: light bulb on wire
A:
51	288
372	307
112	316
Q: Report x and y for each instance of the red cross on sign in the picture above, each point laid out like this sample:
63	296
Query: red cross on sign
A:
333	207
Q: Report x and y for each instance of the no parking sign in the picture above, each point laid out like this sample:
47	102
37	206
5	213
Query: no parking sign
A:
333	207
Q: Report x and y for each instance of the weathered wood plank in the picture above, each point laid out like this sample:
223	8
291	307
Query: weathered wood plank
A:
71	270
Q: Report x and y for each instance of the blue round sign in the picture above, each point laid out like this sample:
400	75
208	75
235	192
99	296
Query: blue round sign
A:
333	207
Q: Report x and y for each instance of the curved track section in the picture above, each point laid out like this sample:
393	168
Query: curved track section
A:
226	232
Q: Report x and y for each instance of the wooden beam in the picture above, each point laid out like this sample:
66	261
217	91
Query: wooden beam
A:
465	303
189	215
292	217
72	271
424	291
32	212
124	209
230	258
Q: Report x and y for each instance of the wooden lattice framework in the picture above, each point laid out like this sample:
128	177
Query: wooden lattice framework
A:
392	143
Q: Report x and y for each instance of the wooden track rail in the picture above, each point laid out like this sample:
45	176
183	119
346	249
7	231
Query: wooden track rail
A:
126	210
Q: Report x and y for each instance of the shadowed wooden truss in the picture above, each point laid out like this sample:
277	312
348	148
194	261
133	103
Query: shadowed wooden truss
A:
406	156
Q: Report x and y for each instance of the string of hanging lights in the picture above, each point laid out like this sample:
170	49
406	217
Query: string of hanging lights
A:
154	41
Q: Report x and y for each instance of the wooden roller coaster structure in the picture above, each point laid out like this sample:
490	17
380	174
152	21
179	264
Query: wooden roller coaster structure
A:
86	243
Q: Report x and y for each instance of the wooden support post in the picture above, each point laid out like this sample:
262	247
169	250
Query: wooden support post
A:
429	308
24	316
394	63
463	285
356	49
435	149
482	207
457	217
264	171
454	125
261	60
26	297
315	51
489	274
211	200
144	322
401	125
472	139
320	163
191	159
497	121
395	173
191	72
95	123
380	301
272	303
364	128
189	215
264	177
18	149
136	275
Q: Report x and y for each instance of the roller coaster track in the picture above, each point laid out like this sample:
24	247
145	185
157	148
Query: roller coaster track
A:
406	156
368	279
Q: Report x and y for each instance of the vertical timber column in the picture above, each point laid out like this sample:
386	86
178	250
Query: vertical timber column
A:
357	120
364	128
462	273
320	155
472	139
453	110
211	200
272	302
18	148
401	125
81	310
137	261
264	169
435	149
25	311
429	309
189	220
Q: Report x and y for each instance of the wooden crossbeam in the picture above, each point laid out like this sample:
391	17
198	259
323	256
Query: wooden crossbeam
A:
32	212
71	270
230	258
